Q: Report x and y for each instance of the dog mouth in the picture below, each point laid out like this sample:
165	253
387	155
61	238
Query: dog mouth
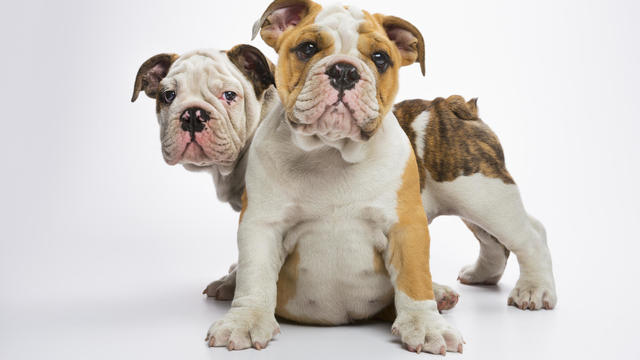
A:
337	121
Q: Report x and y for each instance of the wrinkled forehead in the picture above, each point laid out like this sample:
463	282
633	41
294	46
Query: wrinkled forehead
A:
200	65
347	27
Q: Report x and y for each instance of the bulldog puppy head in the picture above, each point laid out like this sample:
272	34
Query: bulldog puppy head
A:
337	73
207	103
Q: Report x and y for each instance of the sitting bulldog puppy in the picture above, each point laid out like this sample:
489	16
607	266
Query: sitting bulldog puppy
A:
333	228
207	125
208	104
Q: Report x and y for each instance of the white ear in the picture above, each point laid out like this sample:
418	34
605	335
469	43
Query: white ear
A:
280	16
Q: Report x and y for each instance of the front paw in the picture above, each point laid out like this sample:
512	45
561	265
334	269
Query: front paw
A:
533	294
242	328
426	330
223	288
446	297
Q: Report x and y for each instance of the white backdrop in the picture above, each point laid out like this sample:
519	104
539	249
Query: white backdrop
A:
104	249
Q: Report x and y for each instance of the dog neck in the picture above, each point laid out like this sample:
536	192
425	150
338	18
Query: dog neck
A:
351	151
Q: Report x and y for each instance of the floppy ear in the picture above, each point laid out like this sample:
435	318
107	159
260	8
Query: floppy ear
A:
151	73
407	38
254	65
280	16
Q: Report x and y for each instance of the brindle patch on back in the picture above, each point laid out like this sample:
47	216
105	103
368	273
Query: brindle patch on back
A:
457	142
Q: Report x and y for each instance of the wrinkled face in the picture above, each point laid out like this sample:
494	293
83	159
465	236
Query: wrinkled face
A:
337	75
201	110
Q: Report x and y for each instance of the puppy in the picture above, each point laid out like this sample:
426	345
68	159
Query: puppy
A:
243	67
208	104
463	173
333	228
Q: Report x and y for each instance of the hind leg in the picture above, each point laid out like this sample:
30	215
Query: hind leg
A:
491	261
496	208
535	288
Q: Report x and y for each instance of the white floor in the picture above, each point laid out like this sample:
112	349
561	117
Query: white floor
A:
140	299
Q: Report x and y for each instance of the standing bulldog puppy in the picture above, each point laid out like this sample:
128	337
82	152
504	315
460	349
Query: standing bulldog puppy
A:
463	173
333	228
208	104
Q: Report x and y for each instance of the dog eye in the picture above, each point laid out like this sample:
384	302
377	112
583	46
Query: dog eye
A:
229	96
168	96
382	60
306	50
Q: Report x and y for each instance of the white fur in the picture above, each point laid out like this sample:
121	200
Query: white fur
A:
200	76
343	26
496	209
419	125
422	328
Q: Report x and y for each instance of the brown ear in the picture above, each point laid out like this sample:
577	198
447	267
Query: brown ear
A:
407	38
462	109
280	16
254	65
473	105
150	74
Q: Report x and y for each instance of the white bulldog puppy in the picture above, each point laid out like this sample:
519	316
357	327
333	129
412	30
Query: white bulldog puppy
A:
333	229
208	105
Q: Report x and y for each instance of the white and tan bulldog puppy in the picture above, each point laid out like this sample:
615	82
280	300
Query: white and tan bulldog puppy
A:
463	173
333	229
208	105
246	68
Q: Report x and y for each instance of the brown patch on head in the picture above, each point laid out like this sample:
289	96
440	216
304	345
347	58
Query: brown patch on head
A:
406	37
402	42
254	66
150	74
457	143
409	238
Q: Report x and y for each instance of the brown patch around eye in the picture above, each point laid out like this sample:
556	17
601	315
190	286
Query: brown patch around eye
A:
291	74
371	39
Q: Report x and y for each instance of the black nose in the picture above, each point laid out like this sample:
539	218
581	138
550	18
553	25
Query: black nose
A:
192	120
343	76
